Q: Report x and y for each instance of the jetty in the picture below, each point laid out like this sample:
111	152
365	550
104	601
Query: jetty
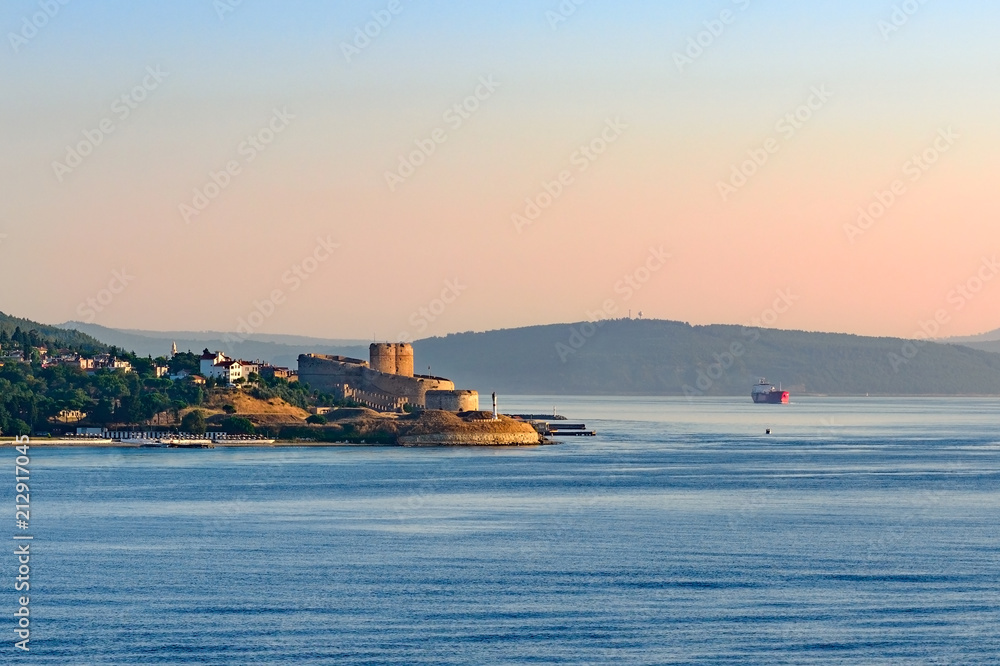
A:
553	426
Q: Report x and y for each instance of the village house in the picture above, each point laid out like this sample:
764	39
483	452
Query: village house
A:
220	366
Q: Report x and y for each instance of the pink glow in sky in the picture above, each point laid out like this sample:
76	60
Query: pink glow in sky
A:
625	148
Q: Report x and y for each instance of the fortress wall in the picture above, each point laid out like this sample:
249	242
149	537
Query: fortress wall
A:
330	373
452	401
413	388
325	373
377	401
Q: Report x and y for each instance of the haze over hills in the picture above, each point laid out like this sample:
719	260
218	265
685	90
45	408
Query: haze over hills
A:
282	350
989	341
988	336
628	357
656	357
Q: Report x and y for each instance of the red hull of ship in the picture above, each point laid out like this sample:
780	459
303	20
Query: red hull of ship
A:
773	397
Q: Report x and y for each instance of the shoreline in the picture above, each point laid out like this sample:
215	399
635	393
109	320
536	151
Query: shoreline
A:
101	444
109	444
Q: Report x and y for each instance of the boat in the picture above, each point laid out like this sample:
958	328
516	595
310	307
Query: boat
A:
765	392
187	443
169	442
143	442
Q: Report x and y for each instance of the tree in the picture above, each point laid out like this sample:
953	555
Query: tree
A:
190	363
237	425
104	412
316	419
229	409
18	427
194	422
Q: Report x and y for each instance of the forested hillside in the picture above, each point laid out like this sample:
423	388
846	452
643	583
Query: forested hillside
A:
655	357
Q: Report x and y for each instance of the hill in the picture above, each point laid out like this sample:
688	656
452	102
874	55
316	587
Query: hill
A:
281	350
992	346
655	357
51	336
988	336
259	411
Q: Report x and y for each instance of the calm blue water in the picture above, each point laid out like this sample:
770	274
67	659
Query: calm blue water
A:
860	531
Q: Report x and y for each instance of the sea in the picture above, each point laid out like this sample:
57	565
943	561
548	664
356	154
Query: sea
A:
859	531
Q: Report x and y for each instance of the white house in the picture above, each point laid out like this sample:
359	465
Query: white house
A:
210	360
222	367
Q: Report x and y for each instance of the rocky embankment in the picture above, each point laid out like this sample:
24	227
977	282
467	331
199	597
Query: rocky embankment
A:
424	428
435	428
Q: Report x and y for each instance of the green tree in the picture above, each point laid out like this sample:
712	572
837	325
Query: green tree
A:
185	361
194	422
237	425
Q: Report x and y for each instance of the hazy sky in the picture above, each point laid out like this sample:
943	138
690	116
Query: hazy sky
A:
359	201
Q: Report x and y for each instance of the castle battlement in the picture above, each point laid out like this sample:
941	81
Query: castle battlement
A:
388	374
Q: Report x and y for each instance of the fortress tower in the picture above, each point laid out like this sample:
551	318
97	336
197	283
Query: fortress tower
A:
382	357
404	359
391	358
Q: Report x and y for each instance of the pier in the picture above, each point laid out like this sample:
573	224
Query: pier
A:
553	426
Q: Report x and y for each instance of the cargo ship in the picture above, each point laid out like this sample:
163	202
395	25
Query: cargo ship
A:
764	392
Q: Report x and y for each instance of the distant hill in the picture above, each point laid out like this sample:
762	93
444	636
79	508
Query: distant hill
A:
988	336
53	336
989	341
281	350
651	357
992	346
629	357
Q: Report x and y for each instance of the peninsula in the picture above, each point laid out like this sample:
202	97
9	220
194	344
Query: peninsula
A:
64	387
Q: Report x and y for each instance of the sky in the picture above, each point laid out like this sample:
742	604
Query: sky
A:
400	169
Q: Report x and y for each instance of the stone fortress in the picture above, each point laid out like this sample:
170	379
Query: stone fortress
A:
385	382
